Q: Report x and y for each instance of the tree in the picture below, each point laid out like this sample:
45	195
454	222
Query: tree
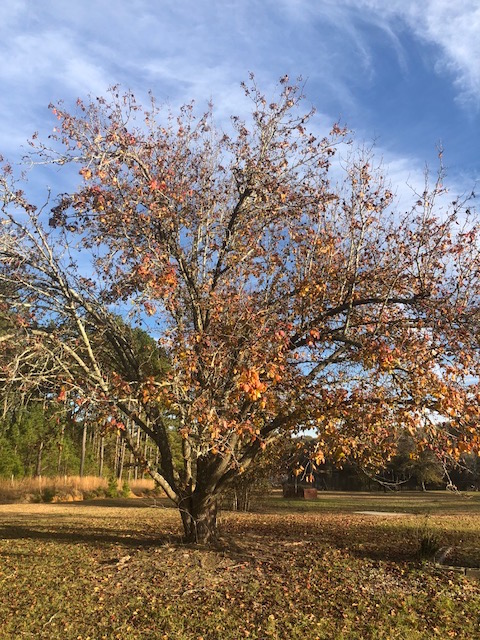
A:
283	299
270	468
413	464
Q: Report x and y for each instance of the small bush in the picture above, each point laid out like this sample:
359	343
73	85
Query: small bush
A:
125	491
48	494
429	541
112	489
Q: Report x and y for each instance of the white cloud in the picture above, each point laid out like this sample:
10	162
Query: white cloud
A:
42	61
204	44
51	59
453	26
202	49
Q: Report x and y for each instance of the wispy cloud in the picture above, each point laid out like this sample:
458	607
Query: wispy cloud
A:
51	59
202	49
453	27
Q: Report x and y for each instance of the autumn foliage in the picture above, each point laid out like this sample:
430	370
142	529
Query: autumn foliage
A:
280	280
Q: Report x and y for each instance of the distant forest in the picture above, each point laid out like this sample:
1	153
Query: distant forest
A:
38	440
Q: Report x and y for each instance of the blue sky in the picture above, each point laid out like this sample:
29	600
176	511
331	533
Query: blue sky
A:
405	73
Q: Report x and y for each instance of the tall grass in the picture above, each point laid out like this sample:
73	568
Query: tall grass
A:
64	488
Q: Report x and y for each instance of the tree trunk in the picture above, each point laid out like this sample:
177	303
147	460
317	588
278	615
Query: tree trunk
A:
102	454
84	450
199	518
121	460
38	468
241	500
138	447
245	499
117	455
60	449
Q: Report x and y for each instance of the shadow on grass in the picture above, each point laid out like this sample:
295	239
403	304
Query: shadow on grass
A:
122	503
104	538
251	536
96	537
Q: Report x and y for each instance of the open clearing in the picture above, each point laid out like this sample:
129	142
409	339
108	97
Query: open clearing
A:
292	570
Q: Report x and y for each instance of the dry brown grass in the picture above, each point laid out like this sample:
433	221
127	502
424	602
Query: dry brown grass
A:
142	485
63	488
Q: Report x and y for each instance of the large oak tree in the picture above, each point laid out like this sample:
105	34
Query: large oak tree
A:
284	298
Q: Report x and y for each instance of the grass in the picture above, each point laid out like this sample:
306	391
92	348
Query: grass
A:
104	569
64	488
412	502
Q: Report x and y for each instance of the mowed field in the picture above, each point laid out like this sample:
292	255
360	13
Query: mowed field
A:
290	570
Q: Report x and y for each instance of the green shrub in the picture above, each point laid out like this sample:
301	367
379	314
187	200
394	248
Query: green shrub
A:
48	494
112	489
125	491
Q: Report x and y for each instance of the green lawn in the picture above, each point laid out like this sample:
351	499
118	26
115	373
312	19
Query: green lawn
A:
414	502
291	571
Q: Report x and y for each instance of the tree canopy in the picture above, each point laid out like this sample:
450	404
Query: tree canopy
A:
282	285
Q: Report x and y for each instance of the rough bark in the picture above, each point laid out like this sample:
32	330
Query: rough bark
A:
199	518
